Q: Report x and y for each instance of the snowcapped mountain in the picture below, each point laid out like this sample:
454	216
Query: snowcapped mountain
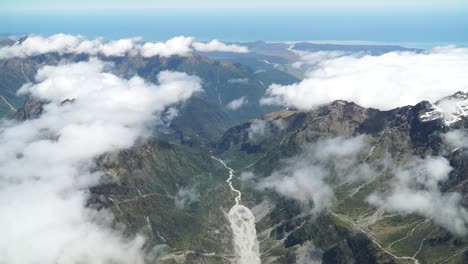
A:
450	109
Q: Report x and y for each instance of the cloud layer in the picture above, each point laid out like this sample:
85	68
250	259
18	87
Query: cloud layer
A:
70	44
387	81
46	164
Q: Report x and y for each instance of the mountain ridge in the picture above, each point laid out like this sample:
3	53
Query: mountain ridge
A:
400	133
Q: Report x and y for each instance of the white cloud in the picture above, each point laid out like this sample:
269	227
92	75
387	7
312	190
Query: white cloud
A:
415	190
239	80
175	46
65	44
216	45
456	138
70	44
237	103
185	197
117	48
387	81
260	128
170	114
307	60
257	129
303	182
34	45
247	176
46	164
307	178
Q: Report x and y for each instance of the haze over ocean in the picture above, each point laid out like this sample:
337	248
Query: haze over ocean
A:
415	29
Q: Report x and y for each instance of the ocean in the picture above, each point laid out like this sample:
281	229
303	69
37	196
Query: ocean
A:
414	29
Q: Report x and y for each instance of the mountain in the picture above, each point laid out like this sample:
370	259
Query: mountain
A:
166	190
317	182
350	230
14	73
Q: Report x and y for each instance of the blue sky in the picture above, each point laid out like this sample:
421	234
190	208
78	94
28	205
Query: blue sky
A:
422	23
77	5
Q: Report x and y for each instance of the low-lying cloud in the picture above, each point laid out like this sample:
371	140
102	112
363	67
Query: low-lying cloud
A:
260	129
415	189
308	178
384	82
239	81
71	44
186	197
216	45
47	164
65	44
174	46
456	138
237	103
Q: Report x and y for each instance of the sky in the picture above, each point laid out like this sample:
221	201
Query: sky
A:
414	23
76	5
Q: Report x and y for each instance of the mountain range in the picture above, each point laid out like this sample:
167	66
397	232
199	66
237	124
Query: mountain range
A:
172	188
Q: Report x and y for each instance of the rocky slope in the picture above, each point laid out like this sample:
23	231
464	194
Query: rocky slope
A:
350	230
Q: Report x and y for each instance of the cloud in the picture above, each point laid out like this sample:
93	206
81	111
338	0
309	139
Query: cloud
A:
216	45
387	81
184	46
257	129
260	128
47	164
117	48
237	103
239	81
308	60
456	138
415	189
247	176
170	114
185	197
175	46
65	44
70	44
308	177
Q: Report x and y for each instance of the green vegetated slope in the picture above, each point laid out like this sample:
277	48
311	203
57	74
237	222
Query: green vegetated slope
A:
147	182
13	74
351	230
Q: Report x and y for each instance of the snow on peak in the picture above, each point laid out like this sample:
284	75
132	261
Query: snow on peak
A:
450	109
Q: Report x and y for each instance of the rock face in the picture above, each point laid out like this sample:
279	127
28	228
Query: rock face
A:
351	230
30	110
